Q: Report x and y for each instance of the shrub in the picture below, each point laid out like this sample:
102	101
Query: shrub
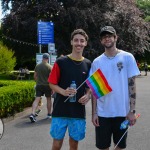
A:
15	96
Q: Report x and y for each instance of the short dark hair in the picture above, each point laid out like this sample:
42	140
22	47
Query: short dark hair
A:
45	56
79	31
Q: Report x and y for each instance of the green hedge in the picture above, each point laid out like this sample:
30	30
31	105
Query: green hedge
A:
15	96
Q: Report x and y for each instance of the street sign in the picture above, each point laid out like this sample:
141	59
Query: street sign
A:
45	32
53	59
51	47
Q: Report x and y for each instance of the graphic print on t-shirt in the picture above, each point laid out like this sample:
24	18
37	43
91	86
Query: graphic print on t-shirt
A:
120	66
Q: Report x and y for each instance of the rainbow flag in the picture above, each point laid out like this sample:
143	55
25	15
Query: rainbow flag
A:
98	84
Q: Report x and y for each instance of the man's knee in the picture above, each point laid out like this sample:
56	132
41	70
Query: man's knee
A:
73	144
57	144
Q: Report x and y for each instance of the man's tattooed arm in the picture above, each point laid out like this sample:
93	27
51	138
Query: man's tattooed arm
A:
132	92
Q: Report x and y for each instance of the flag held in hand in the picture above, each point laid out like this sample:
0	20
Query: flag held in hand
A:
98	84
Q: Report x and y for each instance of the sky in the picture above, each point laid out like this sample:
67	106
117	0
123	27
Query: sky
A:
0	11
1	15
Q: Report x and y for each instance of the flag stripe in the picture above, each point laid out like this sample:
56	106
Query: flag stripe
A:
104	79
103	83
96	86
97	95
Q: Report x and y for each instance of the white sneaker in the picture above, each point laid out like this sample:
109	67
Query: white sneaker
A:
49	116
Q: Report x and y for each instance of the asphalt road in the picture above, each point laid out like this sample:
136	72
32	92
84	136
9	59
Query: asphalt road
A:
20	134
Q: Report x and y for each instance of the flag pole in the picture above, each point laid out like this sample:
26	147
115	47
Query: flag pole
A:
80	86
76	89
121	138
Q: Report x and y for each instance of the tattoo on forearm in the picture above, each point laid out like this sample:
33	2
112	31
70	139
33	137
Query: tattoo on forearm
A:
132	92
133	95
131	82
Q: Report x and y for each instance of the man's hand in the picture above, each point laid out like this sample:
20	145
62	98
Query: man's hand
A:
69	92
84	99
95	120
132	118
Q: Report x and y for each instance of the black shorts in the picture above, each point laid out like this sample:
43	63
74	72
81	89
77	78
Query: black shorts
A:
43	89
107	128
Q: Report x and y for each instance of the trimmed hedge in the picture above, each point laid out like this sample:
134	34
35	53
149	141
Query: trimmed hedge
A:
15	96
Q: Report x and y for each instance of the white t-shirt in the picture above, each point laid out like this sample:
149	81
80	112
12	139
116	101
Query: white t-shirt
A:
116	70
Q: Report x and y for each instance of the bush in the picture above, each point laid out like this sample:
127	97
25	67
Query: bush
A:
15	96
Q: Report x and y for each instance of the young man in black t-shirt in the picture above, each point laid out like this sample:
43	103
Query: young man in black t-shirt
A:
66	114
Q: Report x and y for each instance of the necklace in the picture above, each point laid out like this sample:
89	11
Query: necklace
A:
112	57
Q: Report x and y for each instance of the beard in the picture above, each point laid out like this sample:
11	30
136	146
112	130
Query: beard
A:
109	46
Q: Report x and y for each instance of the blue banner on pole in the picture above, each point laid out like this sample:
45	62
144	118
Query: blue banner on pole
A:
45	32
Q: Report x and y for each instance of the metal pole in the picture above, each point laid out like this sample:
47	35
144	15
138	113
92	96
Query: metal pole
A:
50	58
40	48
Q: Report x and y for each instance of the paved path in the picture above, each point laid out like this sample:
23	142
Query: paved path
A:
20	134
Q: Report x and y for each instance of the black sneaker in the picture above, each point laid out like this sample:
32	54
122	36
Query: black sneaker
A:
37	112
32	118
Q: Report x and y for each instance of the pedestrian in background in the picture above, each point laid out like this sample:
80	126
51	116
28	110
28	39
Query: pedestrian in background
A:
70	115
109	111
41	74
145	68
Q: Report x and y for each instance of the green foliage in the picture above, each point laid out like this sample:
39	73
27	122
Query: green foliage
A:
7	59
144	5
15	96
147	18
143	57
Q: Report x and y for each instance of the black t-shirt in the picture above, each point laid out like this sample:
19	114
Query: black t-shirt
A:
65	71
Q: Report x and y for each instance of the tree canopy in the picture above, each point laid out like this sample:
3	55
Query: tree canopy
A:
91	15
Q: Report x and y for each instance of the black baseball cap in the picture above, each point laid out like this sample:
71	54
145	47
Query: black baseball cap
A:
108	29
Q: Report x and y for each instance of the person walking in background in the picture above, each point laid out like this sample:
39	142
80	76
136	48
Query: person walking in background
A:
109	111
145	68
40	104
70	115
41	74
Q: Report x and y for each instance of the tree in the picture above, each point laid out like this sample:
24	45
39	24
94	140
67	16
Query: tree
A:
7	59
68	15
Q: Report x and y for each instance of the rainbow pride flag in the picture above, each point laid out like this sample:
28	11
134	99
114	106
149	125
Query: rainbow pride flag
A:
98	84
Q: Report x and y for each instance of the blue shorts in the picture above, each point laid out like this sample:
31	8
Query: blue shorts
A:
76	128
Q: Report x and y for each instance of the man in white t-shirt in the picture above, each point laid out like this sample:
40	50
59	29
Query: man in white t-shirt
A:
108	112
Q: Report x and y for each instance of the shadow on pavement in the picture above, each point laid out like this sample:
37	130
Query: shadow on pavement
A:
27	123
